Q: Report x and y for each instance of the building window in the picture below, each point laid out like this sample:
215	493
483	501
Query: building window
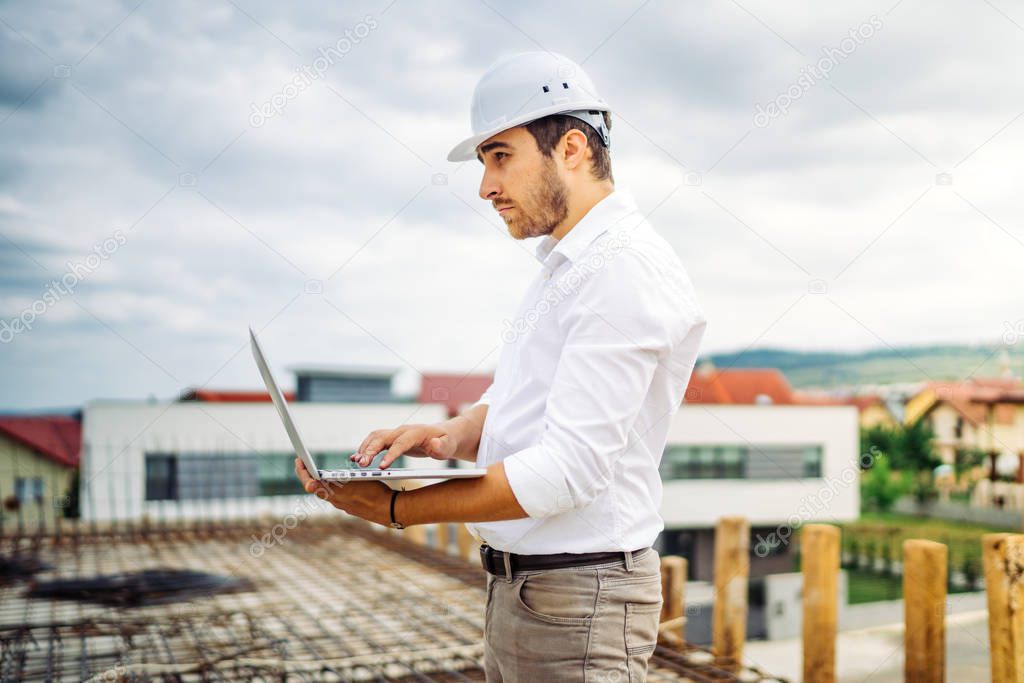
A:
703	462
161	479
812	462
208	476
731	461
28	489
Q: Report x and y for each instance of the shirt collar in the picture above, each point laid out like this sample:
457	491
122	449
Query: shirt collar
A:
600	218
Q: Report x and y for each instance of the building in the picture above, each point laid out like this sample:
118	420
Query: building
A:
192	459
345	384
779	466
38	457
873	409
768	386
749	386
981	414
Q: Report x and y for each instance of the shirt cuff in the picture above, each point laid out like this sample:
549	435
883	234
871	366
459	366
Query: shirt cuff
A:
537	482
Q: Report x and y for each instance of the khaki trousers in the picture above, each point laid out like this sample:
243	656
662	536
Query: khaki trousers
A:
596	624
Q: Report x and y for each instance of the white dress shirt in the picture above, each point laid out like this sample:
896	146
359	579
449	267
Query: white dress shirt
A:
592	370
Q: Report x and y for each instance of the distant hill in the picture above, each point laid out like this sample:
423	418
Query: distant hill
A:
827	369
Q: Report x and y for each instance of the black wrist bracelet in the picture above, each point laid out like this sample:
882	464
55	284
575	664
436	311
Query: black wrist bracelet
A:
395	524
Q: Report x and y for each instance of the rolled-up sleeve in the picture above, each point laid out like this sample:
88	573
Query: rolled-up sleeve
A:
622	321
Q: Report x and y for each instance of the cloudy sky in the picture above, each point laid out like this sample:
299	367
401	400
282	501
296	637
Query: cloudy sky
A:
842	176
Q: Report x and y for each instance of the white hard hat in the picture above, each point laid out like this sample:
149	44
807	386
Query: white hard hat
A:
525	87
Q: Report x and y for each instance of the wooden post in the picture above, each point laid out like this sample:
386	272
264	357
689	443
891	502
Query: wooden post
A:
442	537
924	607
1003	557
819	555
673	587
417	534
465	541
732	569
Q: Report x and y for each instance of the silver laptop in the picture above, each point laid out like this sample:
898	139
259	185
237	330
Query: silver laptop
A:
356	472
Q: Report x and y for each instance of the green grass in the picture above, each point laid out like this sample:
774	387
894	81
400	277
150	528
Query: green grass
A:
865	586
909	526
868	586
880	529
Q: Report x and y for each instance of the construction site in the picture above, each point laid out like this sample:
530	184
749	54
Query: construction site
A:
321	599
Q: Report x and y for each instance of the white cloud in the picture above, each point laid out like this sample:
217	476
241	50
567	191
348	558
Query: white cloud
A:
427	279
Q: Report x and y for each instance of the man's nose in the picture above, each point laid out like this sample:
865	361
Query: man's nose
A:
488	187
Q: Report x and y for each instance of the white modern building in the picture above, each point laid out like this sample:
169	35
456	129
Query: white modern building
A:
780	466
219	460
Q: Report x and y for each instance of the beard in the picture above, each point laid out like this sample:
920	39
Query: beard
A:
544	207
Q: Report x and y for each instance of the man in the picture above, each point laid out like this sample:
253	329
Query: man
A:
572	428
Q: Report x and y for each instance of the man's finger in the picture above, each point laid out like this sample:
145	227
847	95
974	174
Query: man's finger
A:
400	446
366	442
378	443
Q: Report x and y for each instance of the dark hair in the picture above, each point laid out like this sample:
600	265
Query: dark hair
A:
548	130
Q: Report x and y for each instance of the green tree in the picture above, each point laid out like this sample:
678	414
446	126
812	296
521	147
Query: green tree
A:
877	438
915	445
879	489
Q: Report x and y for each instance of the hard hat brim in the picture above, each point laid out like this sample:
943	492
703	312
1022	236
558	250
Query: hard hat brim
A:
466	150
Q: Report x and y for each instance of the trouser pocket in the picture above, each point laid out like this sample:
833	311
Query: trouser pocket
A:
641	637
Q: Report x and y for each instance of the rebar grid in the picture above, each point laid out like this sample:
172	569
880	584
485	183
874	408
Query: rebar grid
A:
333	600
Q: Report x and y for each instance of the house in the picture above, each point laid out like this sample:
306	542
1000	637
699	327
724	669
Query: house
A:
873	409
38	457
979	414
738	386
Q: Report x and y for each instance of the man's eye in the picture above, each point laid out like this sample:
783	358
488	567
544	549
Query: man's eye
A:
498	155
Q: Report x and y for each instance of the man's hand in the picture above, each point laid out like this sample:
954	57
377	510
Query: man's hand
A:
437	441
370	500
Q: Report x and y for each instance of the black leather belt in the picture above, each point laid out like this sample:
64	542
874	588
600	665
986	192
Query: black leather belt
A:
494	560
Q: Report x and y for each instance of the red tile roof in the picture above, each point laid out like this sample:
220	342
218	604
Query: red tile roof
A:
738	385
817	398
453	390
55	437
972	398
215	396
814	398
